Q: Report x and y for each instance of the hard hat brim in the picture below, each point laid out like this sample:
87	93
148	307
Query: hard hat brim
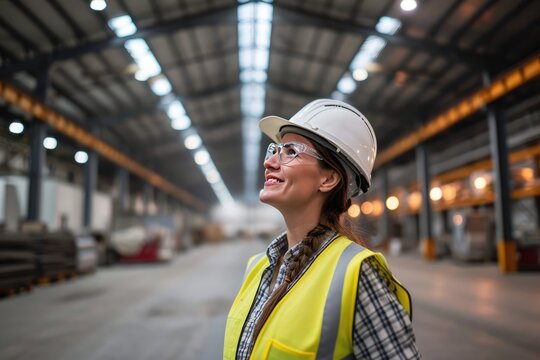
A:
271	126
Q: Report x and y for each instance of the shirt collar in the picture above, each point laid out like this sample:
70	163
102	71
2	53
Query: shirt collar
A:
278	247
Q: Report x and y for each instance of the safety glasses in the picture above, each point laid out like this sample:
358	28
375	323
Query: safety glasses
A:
287	152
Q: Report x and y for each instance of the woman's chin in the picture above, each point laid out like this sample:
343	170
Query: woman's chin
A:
265	196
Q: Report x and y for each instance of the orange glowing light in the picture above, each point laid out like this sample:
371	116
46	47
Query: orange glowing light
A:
354	211
367	208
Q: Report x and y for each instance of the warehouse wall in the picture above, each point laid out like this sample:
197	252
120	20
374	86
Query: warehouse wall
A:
61	201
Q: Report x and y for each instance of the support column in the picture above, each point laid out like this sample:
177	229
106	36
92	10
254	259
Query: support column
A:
122	182
37	152
90	183
161	201
506	245
427	242
147	197
537	198
384	221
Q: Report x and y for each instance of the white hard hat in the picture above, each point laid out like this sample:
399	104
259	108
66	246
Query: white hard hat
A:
347	131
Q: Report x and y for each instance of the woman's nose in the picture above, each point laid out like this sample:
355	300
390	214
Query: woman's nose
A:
272	162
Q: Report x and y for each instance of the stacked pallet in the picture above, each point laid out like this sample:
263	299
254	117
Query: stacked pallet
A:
56	255
17	262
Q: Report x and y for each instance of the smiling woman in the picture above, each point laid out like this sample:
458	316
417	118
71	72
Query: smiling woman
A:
317	292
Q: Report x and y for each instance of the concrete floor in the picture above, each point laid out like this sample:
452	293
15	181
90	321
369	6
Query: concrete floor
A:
177	310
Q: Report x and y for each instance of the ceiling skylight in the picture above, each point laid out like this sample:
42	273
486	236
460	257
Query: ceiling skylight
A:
192	141
148	69
122	26
254	32
160	85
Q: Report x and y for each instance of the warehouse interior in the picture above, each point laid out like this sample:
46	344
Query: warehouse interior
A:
131	162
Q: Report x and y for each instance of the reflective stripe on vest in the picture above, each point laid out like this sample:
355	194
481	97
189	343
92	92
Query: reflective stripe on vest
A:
332	307
252	262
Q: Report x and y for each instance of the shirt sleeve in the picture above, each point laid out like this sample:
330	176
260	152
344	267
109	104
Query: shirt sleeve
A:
382	328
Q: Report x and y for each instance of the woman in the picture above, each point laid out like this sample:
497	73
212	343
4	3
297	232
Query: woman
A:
317	293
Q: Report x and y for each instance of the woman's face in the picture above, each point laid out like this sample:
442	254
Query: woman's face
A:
295	184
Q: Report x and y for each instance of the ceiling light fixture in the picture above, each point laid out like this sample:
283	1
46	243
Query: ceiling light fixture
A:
408	5
364	58
16	127
346	84
193	141
98	5
181	123
360	74
202	157
122	26
160	85
50	143
81	157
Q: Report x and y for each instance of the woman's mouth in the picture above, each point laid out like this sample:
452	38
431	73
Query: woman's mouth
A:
272	180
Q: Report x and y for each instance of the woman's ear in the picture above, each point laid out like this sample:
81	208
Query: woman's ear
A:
329	180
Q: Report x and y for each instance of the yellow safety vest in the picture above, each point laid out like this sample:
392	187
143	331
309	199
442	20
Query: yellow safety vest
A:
314	319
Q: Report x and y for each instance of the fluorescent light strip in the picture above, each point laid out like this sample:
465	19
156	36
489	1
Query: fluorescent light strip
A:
369	51
122	26
150	70
254	32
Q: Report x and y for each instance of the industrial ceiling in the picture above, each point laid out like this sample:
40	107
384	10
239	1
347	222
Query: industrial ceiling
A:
428	60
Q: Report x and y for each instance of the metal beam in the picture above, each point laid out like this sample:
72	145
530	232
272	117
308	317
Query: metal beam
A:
431	33
410	115
213	134
227	15
450	88
502	85
121	117
224	15
479	12
113	120
288	15
67	127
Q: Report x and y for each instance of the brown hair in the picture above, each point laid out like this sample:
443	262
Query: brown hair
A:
335	205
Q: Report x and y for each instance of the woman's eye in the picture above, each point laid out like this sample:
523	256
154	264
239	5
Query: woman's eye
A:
290	151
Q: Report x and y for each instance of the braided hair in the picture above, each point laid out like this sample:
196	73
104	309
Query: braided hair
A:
307	247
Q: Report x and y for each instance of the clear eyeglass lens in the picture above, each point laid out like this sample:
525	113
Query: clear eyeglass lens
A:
288	152
270	151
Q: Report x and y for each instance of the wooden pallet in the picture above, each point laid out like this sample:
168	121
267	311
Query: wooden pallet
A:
56	278
11	292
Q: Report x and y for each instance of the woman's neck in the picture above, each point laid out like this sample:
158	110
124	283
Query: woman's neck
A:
298	226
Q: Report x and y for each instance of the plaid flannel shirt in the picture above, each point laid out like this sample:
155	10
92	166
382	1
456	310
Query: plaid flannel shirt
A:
382	328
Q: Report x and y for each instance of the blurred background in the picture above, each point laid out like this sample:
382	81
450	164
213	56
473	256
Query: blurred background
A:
131	161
